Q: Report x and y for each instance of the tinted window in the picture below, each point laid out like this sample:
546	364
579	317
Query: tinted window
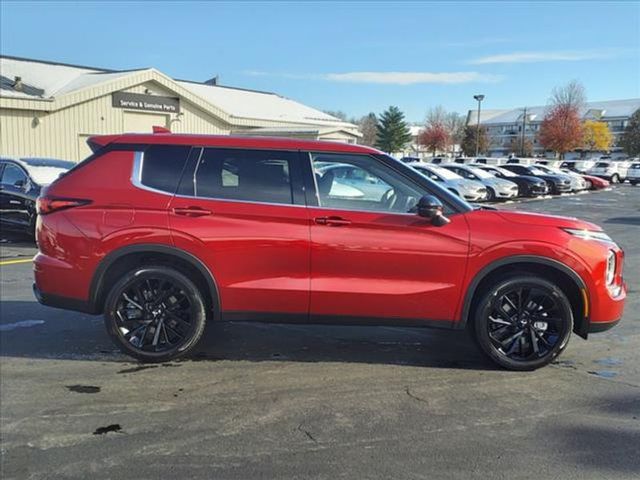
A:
12	174
162	166
370	184
48	162
602	165
245	175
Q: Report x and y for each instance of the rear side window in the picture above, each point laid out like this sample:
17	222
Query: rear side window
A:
244	175
162	166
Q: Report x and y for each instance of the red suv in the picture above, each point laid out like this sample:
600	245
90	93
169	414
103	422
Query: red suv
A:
164	232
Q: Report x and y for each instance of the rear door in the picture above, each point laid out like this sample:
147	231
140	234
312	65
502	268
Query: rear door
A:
243	213
373	259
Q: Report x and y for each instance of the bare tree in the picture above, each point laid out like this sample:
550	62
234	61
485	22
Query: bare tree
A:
571	95
436	116
455	123
369	128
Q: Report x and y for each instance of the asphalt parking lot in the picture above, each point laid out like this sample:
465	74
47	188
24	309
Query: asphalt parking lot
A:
276	401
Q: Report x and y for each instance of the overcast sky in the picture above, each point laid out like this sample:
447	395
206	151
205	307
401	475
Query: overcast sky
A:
356	57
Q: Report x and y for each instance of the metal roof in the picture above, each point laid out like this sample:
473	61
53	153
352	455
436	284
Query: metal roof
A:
604	110
42	80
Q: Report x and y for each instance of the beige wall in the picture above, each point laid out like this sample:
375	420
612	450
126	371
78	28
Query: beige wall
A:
63	133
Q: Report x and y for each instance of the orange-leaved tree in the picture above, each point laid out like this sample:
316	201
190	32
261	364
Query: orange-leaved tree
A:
435	137
561	129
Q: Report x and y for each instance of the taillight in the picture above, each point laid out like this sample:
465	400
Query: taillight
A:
46	205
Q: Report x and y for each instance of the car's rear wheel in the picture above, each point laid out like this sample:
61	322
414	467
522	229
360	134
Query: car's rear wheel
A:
155	314
523	322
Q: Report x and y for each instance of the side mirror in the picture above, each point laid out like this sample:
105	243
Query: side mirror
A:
430	207
20	183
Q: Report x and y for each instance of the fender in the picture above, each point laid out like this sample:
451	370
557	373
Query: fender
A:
549	262
107	261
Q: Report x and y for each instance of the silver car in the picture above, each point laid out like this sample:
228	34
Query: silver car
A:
577	182
467	189
497	188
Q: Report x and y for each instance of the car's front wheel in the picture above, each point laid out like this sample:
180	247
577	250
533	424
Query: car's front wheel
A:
615	178
523	322
155	314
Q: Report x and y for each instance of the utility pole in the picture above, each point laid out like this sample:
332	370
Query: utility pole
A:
524	126
479	98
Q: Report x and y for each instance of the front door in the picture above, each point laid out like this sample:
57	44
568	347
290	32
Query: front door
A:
371	257
243	210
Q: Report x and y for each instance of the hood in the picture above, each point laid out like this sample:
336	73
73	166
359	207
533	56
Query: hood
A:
547	220
499	182
468	184
532	179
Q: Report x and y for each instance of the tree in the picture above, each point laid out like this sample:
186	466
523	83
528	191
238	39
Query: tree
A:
630	139
369	128
516	147
561	129
339	114
471	135
393	133
436	115
596	136
435	137
455	123
572	94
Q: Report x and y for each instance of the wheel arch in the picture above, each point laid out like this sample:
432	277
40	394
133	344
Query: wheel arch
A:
124	259
567	279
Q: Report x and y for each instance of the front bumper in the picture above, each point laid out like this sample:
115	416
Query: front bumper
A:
603	326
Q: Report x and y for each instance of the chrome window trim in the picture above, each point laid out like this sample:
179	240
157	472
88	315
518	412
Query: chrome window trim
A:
136	181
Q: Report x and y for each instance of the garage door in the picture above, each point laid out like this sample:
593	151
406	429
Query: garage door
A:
136	122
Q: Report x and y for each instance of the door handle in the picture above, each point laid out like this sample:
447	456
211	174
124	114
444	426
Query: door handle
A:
192	211
332	221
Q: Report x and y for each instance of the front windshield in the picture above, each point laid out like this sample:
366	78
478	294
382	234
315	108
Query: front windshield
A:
505	172
444	173
479	172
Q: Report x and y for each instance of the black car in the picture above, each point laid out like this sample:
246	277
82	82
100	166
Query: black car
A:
528	185
20	183
557	184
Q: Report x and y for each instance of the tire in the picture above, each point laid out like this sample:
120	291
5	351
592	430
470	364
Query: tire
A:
455	192
500	338
633	182
491	194
615	178
589	185
169	324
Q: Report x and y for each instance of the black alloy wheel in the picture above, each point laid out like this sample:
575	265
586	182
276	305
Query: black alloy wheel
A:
491	194
523	322
155	314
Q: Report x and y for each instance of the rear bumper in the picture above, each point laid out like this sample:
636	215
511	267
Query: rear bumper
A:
66	303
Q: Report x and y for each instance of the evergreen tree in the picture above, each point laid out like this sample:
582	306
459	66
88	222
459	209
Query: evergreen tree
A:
630	140
393	133
470	137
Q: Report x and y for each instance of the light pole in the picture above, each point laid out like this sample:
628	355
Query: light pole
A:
524	126
479	98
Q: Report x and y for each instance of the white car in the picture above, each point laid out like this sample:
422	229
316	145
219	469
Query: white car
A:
633	173
580	166
614	171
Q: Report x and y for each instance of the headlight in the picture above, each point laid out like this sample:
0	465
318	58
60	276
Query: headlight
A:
589	235
610	274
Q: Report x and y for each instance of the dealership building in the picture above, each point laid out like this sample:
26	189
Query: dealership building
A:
505	127
49	109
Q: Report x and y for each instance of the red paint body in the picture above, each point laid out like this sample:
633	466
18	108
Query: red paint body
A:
597	183
278	259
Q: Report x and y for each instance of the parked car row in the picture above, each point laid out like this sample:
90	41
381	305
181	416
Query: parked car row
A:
607	168
479	182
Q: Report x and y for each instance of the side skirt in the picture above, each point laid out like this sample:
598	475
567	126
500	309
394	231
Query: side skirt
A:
265	317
